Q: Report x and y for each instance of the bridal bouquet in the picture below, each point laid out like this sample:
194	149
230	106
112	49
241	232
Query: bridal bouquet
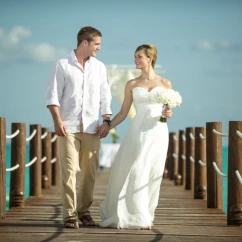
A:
169	98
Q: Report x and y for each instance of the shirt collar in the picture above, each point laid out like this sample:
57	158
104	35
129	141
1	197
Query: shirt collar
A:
74	59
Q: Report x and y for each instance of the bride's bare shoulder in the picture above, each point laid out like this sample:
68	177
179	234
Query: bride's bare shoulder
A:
166	83
132	83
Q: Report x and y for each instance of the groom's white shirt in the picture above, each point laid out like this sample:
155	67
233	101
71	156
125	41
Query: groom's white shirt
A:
80	95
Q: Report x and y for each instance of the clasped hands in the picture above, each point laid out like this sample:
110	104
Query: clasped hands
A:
102	130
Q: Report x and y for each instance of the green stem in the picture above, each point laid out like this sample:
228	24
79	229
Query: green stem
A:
162	119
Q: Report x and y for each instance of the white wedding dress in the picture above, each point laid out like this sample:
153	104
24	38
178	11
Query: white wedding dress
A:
136	174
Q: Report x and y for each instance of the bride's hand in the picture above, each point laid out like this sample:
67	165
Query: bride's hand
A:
167	113
103	130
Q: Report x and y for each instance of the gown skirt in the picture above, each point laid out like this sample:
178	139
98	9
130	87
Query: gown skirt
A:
137	171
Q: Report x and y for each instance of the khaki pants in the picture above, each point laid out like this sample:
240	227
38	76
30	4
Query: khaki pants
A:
77	149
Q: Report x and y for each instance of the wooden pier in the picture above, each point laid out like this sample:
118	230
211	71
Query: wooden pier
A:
190	205
178	217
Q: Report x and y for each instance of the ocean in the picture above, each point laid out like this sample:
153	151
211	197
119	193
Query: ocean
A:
26	182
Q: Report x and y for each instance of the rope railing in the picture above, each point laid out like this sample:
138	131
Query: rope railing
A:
202	137
183	157
26	165
43	159
191	159
238	176
13	135
44	135
202	163
191	136
225	175
17	132
53	160
218	133
238	133
43	174
31	162
174	137
32	135
202	158
13	168
218	171
175	155
54	138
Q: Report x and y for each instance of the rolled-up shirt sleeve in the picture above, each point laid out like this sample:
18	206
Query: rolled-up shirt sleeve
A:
55	86
105	95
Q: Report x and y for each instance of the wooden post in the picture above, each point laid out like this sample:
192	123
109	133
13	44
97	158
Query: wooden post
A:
190	152
35	169
18	157
55	165
214	154
46	165
168	165
2	166
180	179
174	155
234	212
200	186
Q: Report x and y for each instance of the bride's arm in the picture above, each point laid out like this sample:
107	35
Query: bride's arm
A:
167	112
128	99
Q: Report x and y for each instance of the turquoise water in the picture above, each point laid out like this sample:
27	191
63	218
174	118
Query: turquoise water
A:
26	183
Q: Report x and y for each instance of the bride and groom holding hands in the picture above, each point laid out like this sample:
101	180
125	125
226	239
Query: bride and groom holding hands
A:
77	92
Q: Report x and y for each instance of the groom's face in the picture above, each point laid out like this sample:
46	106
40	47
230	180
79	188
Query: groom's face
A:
94	46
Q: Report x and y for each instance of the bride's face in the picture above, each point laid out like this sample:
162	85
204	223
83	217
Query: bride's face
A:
141	60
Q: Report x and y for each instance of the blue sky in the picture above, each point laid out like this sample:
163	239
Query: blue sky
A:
199	48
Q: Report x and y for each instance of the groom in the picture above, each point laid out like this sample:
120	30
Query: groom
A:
78	89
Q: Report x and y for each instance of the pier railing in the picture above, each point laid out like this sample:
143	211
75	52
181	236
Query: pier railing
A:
195	160
43	165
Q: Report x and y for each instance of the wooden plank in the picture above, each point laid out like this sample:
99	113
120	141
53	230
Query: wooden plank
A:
71	237
178	218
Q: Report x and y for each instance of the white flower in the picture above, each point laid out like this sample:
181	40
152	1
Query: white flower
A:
168	97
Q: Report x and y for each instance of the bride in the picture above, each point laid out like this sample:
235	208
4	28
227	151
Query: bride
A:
136	174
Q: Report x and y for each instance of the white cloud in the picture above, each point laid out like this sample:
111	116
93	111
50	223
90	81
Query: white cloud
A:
225	44
17	33
13	37
13	48
206	45
45	52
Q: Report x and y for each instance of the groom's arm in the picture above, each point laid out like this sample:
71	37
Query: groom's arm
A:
105	96
105	106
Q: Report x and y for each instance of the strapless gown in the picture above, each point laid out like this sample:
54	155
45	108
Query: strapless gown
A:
135	178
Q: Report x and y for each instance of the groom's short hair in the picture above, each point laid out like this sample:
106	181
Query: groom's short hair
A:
87	33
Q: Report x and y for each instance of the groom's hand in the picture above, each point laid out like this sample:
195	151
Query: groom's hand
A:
102	130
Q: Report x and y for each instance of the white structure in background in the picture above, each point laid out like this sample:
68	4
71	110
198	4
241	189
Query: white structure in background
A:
118	76
107	154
